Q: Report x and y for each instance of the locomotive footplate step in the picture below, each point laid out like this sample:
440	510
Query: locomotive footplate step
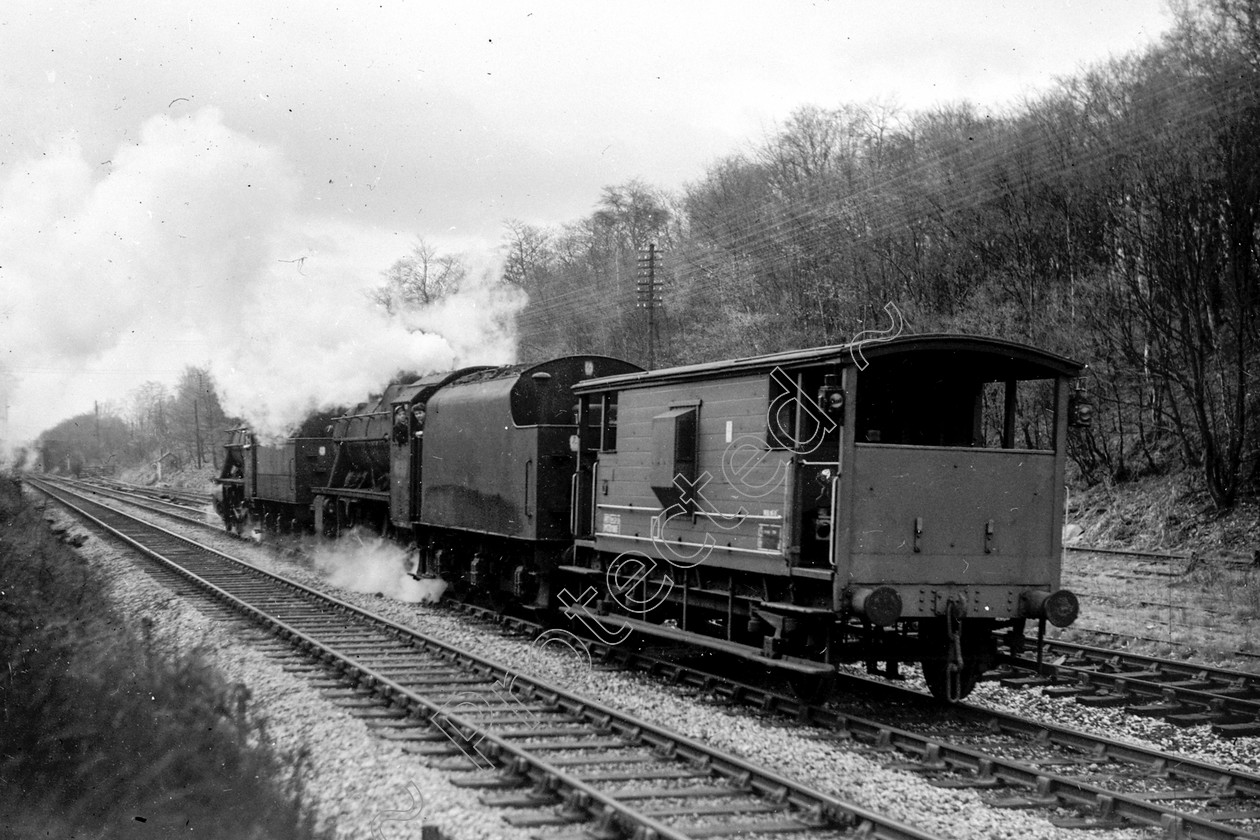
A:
796	610
581	570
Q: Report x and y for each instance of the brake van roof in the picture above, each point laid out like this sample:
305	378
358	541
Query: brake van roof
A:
1012	358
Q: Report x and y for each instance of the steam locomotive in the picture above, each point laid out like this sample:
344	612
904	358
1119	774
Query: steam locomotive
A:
891	501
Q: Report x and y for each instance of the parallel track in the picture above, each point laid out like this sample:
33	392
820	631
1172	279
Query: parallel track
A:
173	500
1183	693
597	764
1026	763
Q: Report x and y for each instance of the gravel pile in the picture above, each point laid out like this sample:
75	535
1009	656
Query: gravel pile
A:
358	777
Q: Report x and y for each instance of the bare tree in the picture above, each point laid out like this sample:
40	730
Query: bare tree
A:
527	257
422	277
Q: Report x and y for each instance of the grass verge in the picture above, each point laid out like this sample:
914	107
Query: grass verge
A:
102	735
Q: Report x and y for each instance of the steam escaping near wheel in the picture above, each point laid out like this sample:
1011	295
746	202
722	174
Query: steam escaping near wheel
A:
363	562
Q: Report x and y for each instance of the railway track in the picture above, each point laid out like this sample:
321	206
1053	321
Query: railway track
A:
1019	763
187	514
583	762
175	499
1182	693
1168	557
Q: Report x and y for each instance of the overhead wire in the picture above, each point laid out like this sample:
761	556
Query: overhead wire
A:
805	218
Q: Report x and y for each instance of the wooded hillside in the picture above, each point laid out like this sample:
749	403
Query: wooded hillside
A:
1112	219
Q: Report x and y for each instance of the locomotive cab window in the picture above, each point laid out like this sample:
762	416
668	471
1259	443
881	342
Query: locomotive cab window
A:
953	403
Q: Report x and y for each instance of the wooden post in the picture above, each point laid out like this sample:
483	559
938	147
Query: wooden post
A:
197	432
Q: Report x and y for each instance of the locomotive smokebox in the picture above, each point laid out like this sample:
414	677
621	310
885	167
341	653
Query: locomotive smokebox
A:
1059	608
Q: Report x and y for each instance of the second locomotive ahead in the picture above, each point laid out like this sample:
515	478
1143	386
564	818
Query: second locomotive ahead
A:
893	501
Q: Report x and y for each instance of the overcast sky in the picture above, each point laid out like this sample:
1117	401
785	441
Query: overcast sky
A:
157	156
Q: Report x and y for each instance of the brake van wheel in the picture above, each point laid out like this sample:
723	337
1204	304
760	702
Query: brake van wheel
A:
978	649
936	674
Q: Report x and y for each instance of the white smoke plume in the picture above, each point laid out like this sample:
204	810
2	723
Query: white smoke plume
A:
149	241
312	342
371	564
186	247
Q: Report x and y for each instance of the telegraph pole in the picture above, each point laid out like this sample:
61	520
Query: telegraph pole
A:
648	293
197	432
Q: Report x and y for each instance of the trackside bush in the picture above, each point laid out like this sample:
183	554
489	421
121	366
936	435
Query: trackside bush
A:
101	734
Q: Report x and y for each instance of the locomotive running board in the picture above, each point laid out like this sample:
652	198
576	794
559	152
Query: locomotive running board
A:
612	622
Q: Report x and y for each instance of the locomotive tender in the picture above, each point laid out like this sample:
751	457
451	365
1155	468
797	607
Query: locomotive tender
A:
888	501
